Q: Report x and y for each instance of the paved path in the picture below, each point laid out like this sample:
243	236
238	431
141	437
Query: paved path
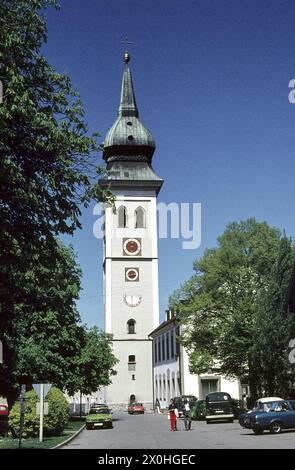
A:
151	431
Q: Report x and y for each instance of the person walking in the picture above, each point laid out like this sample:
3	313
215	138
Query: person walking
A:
172	415
187	416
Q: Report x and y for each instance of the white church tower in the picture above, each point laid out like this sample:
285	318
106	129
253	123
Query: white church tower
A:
130	251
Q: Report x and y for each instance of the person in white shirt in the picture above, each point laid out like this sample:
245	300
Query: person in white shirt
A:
187	416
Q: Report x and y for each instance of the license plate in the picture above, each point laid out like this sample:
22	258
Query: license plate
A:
98	424
218	411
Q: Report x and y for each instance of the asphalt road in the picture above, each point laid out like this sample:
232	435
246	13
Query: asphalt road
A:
151	431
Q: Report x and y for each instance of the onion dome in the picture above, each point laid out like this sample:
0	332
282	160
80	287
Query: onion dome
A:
128	139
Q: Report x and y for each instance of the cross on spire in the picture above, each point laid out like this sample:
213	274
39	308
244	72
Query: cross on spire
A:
127	43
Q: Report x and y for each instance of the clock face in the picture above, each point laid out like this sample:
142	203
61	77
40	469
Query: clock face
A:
131	274
132	300
131	246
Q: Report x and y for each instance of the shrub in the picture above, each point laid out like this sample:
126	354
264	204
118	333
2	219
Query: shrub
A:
58	413
31	419
54	422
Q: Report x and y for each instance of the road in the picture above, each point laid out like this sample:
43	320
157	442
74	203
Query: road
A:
151	431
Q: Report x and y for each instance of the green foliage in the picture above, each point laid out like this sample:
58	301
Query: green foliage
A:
31	419
219	304
274	328
48	172
54	423
58	413
94	366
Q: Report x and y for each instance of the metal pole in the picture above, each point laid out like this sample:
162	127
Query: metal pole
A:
41	412
22	414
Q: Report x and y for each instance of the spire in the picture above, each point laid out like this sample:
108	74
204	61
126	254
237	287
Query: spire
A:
128	105
128	139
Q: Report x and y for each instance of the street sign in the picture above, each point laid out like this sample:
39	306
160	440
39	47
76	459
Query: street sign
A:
37	388
45	408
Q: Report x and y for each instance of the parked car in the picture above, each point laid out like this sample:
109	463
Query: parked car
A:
273	416
265	400
199	410
136	408
99	418
3	419
219	407
98	406
181	400
3	410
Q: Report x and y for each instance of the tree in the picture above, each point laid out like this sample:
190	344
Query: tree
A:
43	338
218	304
274	328
45	342
48	172
94	365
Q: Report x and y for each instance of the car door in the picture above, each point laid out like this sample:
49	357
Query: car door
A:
288	415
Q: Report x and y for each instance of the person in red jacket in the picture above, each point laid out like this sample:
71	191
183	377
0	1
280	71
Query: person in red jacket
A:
172	415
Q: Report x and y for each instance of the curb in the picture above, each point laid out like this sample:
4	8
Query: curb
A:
69	439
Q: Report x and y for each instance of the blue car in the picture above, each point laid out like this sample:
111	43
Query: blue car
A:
273	416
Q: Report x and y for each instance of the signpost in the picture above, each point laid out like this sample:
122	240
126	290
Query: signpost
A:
41	390
22	400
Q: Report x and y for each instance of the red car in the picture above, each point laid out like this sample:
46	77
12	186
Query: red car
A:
135	408
3	419
3	410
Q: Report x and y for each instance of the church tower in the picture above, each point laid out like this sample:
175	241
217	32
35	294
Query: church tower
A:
130	250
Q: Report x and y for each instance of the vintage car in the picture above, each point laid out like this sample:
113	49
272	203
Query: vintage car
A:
99	418
219	407
181	400
136	408
270	415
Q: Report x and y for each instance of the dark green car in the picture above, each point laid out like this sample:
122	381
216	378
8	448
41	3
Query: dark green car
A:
99	418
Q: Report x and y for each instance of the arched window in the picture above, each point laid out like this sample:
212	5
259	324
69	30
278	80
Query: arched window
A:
139	217
122	217
131	363
131	326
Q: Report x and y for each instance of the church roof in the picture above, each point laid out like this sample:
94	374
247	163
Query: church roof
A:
128	136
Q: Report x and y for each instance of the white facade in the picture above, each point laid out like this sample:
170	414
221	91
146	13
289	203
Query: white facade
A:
171	369
135	301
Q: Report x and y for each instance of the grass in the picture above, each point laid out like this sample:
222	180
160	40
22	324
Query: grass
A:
48	442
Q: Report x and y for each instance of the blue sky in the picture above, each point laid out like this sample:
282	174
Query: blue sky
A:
211	82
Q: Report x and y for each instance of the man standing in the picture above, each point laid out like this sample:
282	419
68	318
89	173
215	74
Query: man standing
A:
187	416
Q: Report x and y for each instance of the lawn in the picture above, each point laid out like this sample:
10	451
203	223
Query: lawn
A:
48	442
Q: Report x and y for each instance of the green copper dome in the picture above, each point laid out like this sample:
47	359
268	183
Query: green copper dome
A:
128	138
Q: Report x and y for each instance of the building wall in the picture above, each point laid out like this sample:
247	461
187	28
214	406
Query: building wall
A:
124	384
118	292
177	367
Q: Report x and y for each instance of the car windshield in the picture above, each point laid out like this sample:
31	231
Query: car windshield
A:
136	404
266	407
102	411
217	397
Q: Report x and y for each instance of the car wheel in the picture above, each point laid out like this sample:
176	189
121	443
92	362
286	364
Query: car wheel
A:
230	420
208	421
87	427
276	427
258	431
